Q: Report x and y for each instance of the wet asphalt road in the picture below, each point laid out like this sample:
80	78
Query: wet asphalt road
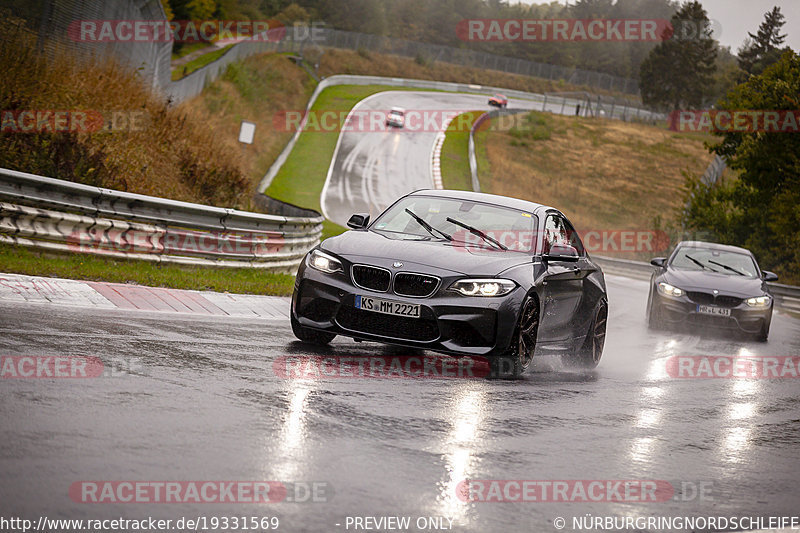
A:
203	402
371	169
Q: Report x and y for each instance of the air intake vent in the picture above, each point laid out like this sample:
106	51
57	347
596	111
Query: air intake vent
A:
372	278
415	285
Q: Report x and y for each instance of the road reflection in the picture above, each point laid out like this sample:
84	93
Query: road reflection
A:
467	411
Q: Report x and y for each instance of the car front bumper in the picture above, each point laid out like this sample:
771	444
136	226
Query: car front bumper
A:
448	322
675	311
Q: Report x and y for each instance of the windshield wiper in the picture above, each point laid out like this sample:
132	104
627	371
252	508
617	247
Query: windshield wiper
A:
476	231
727	267
695	261
430	229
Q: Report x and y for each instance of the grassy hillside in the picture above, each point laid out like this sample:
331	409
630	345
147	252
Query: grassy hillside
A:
151	147
605	175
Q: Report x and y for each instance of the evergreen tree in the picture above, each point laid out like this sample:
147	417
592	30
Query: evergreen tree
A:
763	48
679	72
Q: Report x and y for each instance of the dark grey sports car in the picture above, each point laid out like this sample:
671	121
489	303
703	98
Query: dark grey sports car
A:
706	284
460	273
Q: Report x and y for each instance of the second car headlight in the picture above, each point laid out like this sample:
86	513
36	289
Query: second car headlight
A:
759	301
483	287
324	262
669	290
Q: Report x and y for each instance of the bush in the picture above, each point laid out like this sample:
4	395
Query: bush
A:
171	153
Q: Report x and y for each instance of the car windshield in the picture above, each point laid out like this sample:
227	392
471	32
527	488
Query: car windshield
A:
711	260
501	227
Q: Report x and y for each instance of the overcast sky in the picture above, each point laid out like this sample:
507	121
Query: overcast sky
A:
737	17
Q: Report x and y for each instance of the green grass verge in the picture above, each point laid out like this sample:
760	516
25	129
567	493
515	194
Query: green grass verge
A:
198	62
302	176
455	152
21	260
331	229
188	48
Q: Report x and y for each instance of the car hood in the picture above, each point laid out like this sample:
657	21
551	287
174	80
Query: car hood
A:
361	246
699	280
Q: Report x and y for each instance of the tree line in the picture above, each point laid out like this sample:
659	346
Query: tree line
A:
436	21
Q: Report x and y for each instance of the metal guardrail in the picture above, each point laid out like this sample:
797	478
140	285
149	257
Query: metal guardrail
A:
473	159
65	216
787	297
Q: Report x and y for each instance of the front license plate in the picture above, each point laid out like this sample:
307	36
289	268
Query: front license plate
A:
709	310
387	307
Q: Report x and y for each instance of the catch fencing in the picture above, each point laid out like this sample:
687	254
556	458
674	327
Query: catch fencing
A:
51	20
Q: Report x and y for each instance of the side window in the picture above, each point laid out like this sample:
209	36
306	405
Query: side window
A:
554	232
574	238
558	231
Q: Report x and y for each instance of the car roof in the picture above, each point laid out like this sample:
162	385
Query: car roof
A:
506	201
713	246
397	110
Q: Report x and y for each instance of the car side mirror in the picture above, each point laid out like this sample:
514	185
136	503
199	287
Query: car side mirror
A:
562	252
358	221
769	276
659	262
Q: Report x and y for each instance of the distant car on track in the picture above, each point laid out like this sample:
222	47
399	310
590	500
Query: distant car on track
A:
498	100
707	284
461	273
396	117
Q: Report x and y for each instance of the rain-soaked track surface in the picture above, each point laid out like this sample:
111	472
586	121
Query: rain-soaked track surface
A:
371	169
206	405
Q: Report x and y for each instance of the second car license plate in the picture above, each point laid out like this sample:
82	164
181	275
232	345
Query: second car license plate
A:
709	310
387	307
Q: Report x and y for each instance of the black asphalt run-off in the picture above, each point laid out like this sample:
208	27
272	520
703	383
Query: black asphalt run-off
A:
204	402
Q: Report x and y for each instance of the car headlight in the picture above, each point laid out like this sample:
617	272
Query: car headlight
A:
668	290
324	262
758	301
483	287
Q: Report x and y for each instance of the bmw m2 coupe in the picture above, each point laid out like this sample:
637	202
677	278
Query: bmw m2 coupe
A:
461	273
714	285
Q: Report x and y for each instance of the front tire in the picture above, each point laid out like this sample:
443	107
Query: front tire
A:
654	321
592	350
516	360
763	334
308	335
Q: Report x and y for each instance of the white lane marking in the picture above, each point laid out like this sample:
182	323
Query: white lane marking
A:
324	193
